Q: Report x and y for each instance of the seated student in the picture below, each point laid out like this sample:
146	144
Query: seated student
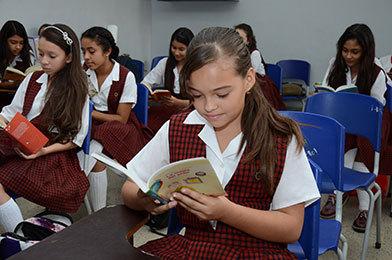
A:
113	90
257	154
56	101
355	64
15	50
166	74
269	89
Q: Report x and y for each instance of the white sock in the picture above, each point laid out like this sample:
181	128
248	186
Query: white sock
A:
98	189
10	215
363	197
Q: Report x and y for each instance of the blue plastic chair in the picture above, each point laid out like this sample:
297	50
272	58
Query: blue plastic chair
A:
141	107
86	151
324	145
139	73
361	115
275	73
155	61
388	98
295	70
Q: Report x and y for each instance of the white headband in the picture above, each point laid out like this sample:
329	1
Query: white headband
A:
66	38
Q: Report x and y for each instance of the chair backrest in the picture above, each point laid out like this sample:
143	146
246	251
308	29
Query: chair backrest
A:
295	69
359	114
87	139
388	97
275	73
139	70
309	239
155	61
141	108
324	142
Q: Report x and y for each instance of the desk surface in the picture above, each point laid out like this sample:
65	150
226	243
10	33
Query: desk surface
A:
102	235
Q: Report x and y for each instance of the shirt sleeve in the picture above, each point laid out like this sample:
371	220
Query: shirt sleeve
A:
379	87
129	94
81	135
156	75
297	183
153	156
8	112
257	64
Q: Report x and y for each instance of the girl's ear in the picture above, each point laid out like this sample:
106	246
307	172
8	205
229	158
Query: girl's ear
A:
69	58
108	52
250	79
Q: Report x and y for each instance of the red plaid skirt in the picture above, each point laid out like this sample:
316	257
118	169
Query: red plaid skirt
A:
180	247
271	92
121	141
54	181
158	115
366	152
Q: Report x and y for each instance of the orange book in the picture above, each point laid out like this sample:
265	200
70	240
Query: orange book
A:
29	139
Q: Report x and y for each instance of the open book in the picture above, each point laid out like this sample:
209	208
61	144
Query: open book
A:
15	75
158	94
344	88
196	174
28	138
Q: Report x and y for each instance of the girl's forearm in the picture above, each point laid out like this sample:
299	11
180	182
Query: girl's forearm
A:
107	117
58	147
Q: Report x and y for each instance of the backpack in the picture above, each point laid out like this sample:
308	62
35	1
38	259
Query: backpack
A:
31	231
128	63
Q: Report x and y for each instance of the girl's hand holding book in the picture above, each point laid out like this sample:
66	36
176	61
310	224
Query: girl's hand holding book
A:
205	207
154	206
31	156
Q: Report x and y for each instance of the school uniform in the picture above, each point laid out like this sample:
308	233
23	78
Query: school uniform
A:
359	151
189	135
120	141
54	181
257	63
386	63
157	114
17	62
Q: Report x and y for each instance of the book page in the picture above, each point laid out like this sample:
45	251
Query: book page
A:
196	174
11	69
347	88
117	166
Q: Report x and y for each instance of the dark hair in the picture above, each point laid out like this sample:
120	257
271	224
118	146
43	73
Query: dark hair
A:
42	27
252	44
9	29
104	38
184	36
367	73
260	123
68	89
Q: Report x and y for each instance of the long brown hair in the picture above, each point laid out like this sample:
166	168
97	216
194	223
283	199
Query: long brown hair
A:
260	123
367	73
67	91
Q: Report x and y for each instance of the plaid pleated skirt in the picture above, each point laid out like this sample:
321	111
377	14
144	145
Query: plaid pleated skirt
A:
180	247
54	181
121	141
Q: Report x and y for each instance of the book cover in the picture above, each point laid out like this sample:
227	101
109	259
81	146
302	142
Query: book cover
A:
158	94
14	75
29	139
344	88
196	174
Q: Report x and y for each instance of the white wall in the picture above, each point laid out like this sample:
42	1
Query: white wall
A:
304	29
133	19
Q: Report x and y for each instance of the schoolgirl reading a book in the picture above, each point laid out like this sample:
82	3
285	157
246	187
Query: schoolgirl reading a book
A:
15	50
355	64
114	93
166	74
257	154
268	87
56	101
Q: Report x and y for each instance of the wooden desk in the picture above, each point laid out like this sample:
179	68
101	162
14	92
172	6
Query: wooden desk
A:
102	235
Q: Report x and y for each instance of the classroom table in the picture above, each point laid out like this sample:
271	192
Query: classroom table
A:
106	234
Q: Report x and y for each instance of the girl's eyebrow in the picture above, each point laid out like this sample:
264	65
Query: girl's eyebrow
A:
216	89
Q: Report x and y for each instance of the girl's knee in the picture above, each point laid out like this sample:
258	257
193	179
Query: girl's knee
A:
98	167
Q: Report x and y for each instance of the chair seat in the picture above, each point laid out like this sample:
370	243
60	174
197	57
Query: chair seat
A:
356	180
328	239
